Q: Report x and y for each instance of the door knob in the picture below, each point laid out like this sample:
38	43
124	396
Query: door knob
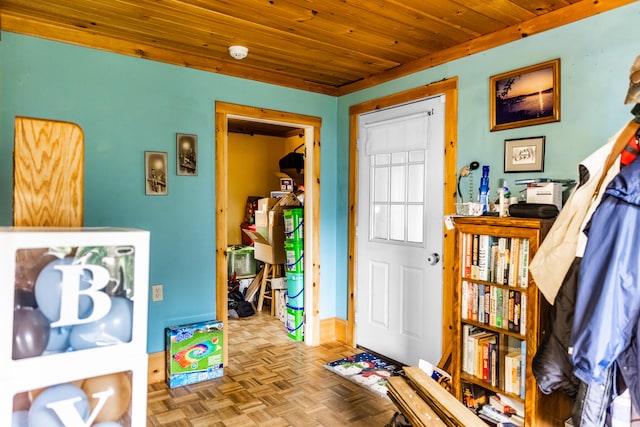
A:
433	259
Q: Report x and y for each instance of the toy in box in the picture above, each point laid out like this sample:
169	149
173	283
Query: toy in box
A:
74	307
194	353
100	400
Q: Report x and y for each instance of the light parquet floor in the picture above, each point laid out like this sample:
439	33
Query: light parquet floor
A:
270	380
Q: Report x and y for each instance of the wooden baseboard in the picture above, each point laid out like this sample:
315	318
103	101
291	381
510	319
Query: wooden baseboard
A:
156	368
333	329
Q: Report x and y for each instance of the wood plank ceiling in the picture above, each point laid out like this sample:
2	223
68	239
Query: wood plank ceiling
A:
333	47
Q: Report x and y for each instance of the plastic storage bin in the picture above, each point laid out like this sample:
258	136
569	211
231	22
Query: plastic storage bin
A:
241	261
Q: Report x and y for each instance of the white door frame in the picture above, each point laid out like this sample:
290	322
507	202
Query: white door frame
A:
449	88
312	126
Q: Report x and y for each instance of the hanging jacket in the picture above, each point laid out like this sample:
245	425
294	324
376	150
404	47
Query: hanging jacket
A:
552	366
565	240
607	309
555	269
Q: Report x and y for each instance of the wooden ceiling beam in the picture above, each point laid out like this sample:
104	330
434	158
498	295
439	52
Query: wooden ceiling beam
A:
81	38
539	24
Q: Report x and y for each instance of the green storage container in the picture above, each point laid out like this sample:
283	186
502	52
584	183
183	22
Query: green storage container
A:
293	224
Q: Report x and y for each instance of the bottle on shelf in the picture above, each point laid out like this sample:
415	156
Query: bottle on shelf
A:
484	189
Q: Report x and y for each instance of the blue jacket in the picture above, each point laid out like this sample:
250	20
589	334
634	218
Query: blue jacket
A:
607	309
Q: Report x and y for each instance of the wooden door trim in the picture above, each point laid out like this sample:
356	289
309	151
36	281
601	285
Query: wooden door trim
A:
449	88
312	206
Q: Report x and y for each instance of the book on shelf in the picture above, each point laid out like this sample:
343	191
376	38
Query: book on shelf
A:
484	356
465	302
512	372
494	258
500	406
523	368
484	257
512	310
494	363
499	307
518	406
468	347
487	303
474	257
474	396
524	264
515	258
507	260
480	302
467	257
474	305
523	313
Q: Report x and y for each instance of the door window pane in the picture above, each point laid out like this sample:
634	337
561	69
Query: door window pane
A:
398	183
415	183
380	184
399	158
415	221
381	159
380	223
396	223
416	156
397	196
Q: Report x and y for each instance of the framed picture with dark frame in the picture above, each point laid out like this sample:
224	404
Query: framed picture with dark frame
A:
186	154
525	97
155	173
524	154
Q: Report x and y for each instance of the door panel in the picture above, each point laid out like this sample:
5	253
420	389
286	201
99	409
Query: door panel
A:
399	224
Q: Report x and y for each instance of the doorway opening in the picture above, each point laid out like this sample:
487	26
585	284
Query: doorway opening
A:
448	88
225	114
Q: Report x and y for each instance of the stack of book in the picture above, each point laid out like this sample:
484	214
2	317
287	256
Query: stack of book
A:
503	308
502	260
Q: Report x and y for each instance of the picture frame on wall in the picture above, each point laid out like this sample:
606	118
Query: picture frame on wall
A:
525	97
524	154
186	154
155	173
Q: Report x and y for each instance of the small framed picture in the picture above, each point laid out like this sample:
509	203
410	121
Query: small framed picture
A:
155	173
524	154
525	97
186	154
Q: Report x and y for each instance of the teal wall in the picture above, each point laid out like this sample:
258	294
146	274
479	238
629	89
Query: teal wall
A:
127	105
595	57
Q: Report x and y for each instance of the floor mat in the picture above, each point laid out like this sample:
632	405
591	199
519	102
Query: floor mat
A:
365	369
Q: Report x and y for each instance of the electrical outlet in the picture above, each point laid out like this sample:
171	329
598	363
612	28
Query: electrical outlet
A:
156	293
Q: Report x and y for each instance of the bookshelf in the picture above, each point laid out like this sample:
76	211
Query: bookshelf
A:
499	318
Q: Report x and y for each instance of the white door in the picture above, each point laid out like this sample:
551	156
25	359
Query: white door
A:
399	231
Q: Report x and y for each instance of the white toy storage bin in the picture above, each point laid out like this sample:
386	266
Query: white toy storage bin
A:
82	294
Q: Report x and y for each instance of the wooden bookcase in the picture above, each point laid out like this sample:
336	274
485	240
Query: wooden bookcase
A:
490	261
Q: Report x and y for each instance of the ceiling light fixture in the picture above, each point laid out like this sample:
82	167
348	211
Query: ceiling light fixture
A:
238	52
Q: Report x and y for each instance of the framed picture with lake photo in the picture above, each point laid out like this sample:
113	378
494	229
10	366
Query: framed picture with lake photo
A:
525	97
524	154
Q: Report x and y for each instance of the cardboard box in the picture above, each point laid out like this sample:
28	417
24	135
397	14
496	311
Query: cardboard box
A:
194	353
265	204
549	193
271	252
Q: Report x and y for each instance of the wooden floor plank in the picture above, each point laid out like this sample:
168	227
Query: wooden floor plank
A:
270	380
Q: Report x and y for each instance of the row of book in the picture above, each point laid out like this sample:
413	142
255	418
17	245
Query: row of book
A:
482	357
502	260
503	308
